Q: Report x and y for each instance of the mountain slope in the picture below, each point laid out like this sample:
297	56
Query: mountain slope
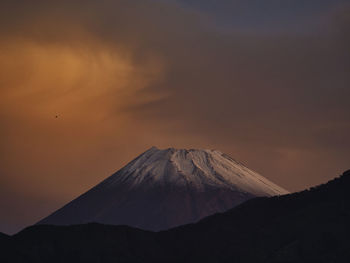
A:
161	189
2	235
310	226
3	238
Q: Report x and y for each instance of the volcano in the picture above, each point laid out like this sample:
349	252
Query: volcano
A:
164	188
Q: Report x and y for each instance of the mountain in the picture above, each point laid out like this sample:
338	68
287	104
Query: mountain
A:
3	238
309	226
161	189
2	235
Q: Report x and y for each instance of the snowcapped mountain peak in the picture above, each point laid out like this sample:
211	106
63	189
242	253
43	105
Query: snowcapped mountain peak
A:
163	188
192	168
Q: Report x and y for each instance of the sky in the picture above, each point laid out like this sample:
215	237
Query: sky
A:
86	86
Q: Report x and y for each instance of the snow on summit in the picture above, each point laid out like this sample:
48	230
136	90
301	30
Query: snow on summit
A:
163	188
201	169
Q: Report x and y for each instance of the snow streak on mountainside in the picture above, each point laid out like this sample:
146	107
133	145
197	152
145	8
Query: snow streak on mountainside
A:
161	189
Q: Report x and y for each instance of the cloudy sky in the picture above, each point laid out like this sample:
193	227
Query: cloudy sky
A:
86	86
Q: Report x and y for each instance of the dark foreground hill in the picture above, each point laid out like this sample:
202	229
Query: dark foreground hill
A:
3	238
310	226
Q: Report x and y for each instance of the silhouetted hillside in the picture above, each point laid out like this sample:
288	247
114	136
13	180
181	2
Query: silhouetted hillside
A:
3	238
310	226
